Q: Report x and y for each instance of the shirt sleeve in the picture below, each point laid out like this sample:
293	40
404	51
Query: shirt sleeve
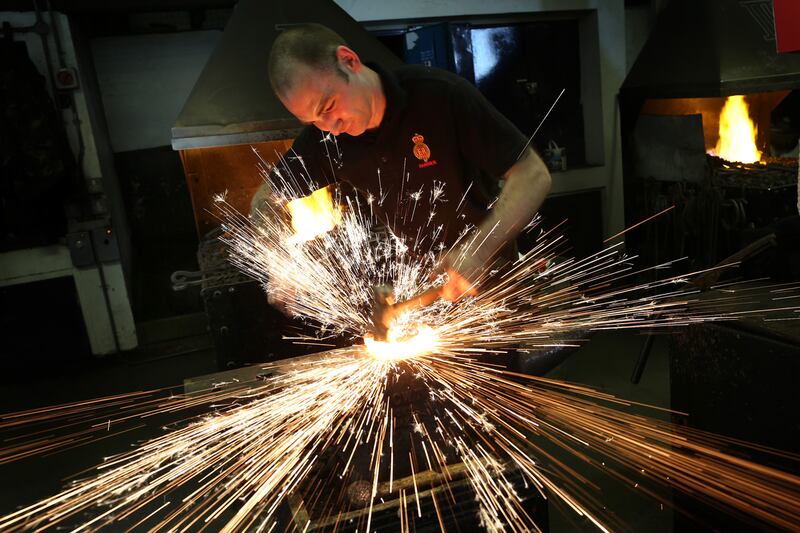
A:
486	137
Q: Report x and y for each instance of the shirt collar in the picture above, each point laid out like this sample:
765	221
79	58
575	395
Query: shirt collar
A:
396	97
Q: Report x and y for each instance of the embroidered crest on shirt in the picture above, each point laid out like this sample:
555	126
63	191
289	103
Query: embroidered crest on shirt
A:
421	151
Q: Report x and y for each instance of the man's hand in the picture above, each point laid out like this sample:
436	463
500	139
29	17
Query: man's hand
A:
463	271
457	287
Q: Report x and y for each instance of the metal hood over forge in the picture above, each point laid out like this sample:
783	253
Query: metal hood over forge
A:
702	48
232	102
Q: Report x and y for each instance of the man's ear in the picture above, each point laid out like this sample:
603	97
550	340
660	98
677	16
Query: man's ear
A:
348	59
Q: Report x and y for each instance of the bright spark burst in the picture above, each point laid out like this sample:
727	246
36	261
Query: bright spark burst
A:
300	437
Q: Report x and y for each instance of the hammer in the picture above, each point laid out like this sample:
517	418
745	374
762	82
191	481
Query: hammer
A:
385	310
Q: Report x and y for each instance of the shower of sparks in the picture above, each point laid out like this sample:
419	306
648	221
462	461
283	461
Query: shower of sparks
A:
329	437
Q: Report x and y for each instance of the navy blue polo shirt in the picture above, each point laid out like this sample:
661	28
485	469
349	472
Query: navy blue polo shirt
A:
431	168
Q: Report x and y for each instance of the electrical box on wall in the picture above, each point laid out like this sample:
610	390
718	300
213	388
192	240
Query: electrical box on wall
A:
66	78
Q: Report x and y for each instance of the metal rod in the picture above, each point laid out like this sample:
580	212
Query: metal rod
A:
540	124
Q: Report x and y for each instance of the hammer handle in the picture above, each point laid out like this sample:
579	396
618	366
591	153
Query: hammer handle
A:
421	300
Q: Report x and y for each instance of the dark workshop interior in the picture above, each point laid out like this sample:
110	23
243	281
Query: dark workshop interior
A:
122	121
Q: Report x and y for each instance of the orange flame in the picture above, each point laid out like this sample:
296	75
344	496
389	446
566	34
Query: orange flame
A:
737	133
313	215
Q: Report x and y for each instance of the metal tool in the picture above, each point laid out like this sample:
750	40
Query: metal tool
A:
385	310
181	279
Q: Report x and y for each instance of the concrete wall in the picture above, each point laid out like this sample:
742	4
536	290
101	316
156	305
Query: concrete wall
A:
638	23
144	81
369	10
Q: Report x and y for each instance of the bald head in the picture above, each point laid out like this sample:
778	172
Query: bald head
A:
310	45
323	82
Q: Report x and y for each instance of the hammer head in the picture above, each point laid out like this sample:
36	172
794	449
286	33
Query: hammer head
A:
382	310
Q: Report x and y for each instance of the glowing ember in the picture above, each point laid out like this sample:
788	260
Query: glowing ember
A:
395	347
313	215
737	133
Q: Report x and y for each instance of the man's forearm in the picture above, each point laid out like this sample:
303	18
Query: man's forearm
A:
527	184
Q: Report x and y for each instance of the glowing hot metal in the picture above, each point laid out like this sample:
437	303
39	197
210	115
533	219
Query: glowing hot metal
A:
398	346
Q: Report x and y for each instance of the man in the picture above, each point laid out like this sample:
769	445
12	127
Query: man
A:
402	135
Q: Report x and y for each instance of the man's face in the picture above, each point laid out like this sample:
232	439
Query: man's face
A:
331	102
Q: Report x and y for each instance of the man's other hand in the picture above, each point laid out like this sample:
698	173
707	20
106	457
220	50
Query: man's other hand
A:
457	286
463	269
